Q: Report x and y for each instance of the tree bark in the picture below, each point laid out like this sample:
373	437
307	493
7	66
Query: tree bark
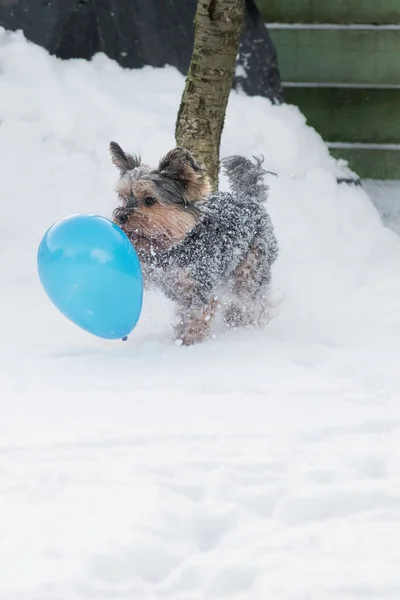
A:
201	115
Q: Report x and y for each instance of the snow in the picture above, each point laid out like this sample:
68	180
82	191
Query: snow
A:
262	464
386	195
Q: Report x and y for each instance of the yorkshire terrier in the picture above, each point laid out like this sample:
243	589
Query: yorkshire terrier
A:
206	251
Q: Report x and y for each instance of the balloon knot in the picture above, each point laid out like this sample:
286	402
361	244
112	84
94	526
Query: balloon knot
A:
125	338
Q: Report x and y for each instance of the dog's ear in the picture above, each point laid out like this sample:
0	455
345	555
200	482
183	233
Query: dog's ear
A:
180	165
124	162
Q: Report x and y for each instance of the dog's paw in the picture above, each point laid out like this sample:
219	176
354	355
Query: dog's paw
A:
195	327
190	339
190	335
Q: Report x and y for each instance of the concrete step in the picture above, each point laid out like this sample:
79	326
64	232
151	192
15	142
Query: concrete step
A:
369	161
350	114
324	54
330	11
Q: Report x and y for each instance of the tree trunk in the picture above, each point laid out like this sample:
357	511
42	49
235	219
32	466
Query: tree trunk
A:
201	114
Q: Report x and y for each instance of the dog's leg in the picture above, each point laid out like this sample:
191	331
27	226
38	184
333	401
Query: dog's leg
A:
249	290
194	323
195	307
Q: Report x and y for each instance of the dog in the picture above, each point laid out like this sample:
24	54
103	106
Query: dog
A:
207	251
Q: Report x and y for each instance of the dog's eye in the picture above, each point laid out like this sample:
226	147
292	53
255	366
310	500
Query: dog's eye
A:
149	201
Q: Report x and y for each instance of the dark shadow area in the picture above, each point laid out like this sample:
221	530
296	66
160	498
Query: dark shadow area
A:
139	33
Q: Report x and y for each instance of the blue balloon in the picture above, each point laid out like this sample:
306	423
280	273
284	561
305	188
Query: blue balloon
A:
91	272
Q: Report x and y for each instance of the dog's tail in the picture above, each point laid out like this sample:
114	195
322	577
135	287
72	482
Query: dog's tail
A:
245	177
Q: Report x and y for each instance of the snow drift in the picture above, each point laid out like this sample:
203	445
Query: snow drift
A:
261	464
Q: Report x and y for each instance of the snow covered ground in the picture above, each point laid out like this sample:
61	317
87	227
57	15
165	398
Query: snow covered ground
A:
261	465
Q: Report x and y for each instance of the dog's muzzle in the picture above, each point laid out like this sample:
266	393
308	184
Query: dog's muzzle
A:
121	218
121	215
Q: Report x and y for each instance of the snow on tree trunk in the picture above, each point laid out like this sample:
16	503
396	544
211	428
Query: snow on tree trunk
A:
201	115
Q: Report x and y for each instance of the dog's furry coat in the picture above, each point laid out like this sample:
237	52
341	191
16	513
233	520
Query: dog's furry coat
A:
204	250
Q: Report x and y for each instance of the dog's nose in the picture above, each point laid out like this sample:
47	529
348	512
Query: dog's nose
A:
122	218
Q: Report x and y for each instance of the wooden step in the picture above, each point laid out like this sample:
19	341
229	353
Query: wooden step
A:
331	11
371	162
350	114
364	55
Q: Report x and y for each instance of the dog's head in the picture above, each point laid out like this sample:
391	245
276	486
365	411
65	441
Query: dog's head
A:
158	207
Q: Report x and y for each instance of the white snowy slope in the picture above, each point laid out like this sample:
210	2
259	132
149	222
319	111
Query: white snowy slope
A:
260	465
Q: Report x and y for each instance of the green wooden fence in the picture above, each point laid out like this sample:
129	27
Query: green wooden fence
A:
340	63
